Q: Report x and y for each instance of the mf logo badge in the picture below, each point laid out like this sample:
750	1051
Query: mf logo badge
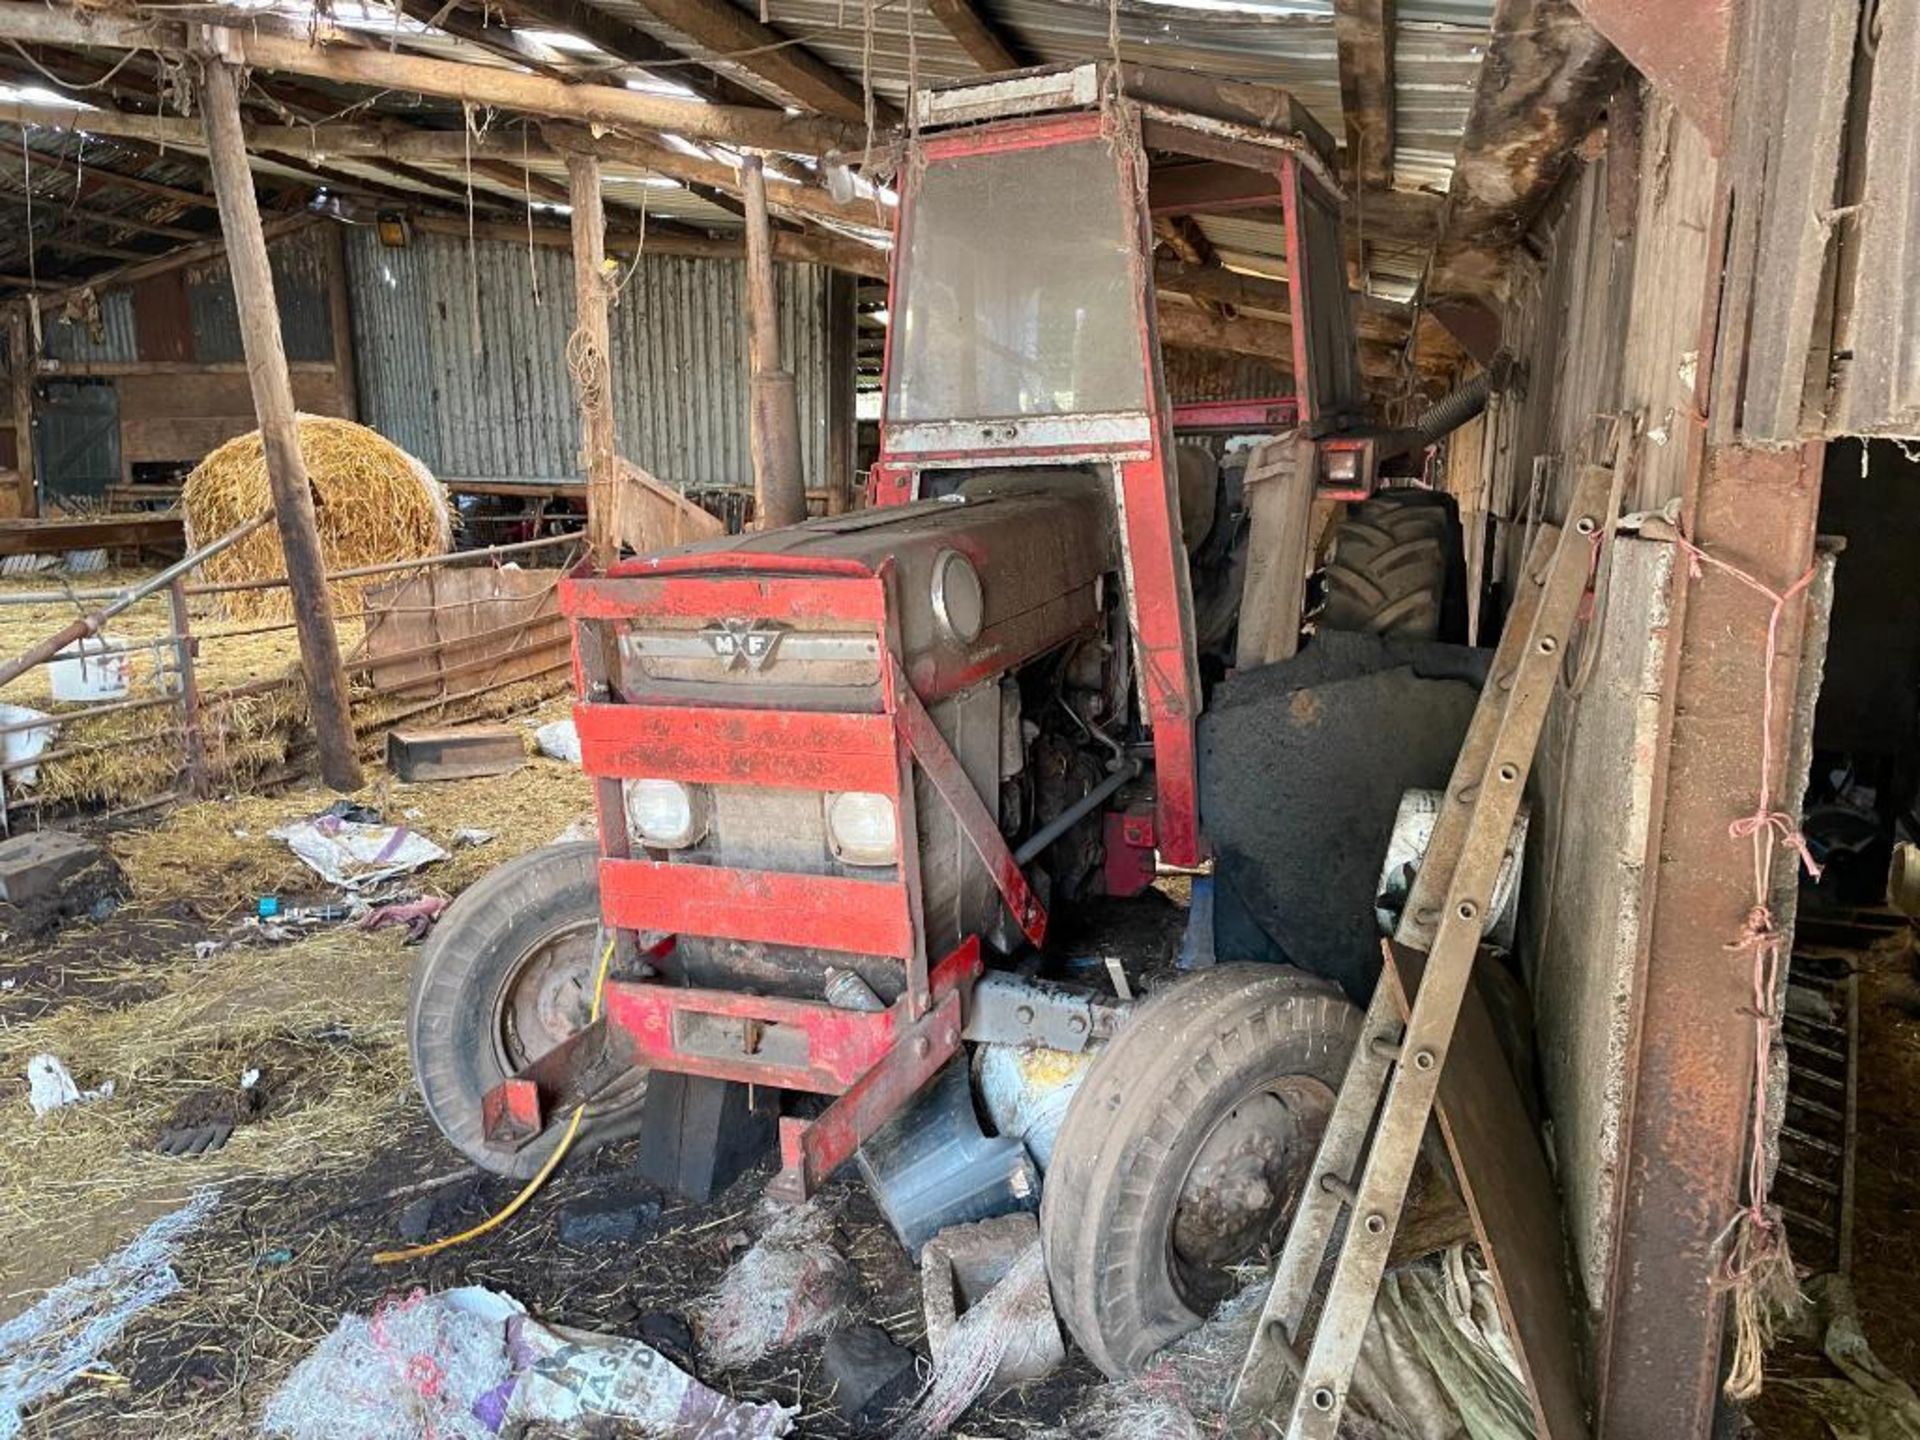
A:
744	644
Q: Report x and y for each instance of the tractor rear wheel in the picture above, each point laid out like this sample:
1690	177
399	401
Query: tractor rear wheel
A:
1395	560
507	975
1184	1152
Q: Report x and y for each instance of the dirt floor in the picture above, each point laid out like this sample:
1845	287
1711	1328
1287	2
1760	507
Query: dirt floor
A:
156	980
331	1157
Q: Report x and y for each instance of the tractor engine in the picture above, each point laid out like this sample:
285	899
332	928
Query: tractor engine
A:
749	715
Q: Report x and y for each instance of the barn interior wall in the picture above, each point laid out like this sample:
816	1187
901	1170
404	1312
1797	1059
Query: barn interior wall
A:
461	352
1604	318
150	374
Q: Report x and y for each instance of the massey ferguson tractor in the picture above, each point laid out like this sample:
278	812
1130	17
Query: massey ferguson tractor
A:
846	772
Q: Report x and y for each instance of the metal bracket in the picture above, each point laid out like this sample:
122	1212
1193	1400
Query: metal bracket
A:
943	768
515	1111
1008	1009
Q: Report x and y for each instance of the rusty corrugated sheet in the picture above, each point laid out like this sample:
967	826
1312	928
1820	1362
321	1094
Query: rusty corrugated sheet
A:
300	292
78	343
1438	47
463	361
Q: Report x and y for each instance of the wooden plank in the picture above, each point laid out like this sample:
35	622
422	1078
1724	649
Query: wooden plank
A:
116	532
1502	1169
651	517
1279	489
507	622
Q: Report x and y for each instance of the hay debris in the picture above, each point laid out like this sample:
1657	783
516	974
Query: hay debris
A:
373	504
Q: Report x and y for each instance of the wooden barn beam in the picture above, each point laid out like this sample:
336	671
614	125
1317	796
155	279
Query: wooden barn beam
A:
773	428
496	40
327	692
724	29
1545	79
1364	32
983	41
634	46
693	169
255	46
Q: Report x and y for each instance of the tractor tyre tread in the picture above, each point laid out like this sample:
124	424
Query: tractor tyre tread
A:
1389	571
1132	1130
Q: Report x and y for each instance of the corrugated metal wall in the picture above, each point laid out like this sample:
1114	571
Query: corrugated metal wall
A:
75	343
462	360
300	286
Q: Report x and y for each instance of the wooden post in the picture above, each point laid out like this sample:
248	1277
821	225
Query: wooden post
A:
843	425
773	434
590	357
192	741
327	693
346	380
23	362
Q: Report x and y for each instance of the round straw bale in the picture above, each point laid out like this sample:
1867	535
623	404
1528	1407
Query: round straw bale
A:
373	504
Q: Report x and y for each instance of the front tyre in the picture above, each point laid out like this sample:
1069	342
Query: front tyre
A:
507	975
1185	1150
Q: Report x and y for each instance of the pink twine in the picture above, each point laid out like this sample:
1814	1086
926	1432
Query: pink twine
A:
422	1373
1760	936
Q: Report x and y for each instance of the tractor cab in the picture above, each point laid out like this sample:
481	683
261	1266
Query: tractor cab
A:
1025	330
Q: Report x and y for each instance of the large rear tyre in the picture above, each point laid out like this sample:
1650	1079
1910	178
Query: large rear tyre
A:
1393	565
1184	1152
507	975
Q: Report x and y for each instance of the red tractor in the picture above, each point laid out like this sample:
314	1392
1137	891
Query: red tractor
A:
845	771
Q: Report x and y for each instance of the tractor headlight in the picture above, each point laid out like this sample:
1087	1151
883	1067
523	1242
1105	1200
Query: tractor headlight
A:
958	603
862	829
665	814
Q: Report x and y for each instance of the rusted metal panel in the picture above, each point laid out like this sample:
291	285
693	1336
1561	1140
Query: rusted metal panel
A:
105	338
488	626
1681	47
1692	1085
300	294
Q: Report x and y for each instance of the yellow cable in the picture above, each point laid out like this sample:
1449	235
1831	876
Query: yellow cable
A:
513	1206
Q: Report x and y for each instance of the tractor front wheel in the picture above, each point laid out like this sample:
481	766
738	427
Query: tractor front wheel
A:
507	975
1185	1150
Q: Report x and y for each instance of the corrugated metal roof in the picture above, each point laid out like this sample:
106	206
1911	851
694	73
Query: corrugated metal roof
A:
463	361
1438	48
